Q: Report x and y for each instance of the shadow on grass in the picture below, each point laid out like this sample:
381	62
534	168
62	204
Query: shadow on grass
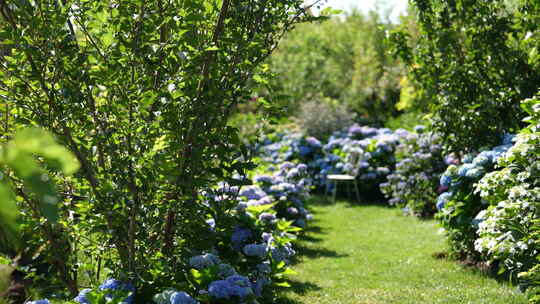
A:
299	288
309	238
316	252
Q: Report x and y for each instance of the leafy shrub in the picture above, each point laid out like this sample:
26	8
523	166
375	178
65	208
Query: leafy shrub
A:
509	229
141	93
343	59
473	62
414	184
459	206
321	119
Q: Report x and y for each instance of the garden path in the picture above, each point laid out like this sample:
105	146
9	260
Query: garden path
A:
368	253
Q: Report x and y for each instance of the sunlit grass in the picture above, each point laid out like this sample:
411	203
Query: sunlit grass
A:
358	253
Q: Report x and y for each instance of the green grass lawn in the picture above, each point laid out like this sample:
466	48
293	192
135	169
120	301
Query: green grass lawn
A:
358	253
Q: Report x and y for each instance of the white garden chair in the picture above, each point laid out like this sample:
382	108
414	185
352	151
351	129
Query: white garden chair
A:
353	158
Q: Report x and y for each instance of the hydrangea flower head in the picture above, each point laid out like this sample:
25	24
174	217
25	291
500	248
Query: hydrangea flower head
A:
443	199
235	285
203	261
114	284
81	297
475	173
252	192
445	180
263	179
268	218
464	169
240	236
304	150
181	297
43	301
481	160
314	142
255	250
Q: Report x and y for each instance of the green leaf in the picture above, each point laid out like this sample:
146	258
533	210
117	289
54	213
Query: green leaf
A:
9	213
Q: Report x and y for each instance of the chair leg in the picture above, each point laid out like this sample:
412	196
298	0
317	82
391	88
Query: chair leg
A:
335	191
327	188
356	190
348	190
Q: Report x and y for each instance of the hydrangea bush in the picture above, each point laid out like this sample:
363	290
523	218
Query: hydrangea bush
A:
249	244
509	230
373	150
459	205
414	184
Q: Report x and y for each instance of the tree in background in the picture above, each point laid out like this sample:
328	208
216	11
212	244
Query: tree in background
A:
472	62
345	59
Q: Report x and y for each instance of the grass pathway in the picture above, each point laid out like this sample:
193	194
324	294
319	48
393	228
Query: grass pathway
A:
369	254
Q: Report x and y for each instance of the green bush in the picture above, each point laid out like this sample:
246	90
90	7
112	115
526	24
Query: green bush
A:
341	59
509	231
473	61
141	93
321	118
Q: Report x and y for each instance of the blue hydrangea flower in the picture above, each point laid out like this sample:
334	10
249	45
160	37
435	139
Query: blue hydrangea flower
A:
304	150
475	173
282	254
240	236
44	301
267	237
464	169
255	250
241	286
220	289
203	261
252	192
292	211
445	180
443	199
114	284
81	297
263	179
181	297
508	139
268	218
235	285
